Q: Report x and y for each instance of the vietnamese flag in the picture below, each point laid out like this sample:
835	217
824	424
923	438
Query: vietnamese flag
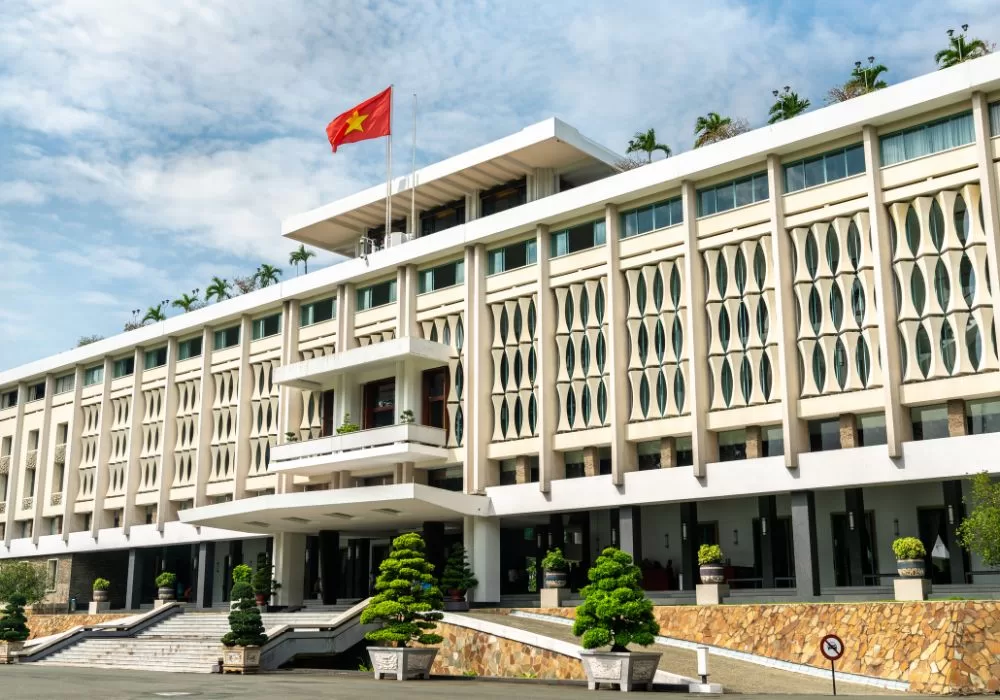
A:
369	120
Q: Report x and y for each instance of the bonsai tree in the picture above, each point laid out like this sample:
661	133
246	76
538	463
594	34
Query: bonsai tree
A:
457	576
101	584
406	598
615	610
555	561
245	626
242	572
166	580
709	554
262	582
13	624
908	548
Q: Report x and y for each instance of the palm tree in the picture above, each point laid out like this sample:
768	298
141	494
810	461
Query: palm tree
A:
713	127
863	80
154	314
646	143
787	105
301	255
218	289
187	302
268	275
960	50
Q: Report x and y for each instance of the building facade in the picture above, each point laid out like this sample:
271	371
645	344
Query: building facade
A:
783	343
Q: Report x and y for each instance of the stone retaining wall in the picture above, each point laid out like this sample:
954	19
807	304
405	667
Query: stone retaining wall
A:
937	647
467	650
45	625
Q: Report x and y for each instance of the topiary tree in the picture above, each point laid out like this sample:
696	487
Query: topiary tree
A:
13	624
457	574
245	626
615	609
242	572
406	596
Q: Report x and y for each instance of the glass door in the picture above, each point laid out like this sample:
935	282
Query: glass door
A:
380	403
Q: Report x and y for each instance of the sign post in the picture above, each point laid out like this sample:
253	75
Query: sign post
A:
832	647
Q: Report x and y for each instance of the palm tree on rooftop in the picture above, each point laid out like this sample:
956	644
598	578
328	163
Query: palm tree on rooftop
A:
187	302
219	289
711	128
645	142
268	275
301	255
787	104
864	79
154	314
960	49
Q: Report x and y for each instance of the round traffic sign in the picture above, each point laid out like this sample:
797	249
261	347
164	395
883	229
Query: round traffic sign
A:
832	647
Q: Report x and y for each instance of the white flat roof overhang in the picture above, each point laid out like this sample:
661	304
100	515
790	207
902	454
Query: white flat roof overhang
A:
319	372
393	507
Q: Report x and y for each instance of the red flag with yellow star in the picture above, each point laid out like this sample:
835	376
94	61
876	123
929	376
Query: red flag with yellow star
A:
369	120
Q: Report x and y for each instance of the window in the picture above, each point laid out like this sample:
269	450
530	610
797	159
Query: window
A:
123	367
226	338
507	196
65	383
925	139
27	528
995	119
36	392
824	435
6	446
648	454
828	167
448	478
651	217
33	436
435	409
512	256
982	416
377	295
443	217
573	240
157	357
732	445
929	422
871	429
685	452
379	404
317	312
53	568
267	326
441	277
772	441
186	349
732	194
8	399
93	375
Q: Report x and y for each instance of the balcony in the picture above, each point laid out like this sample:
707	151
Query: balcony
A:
364	449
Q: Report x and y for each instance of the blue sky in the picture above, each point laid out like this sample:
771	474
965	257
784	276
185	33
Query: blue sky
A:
145	147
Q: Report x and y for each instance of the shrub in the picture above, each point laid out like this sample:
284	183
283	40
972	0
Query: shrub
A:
908	548
166	580
347	426
710	554
980	530
406	596
406	416
457	575
245	626
13	624
555	561
615	609
23	579
263	584
242	573
101	584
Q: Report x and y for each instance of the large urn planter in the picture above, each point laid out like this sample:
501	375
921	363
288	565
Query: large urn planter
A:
240	659
712	573
402	663
556	579
911	568
100	596
9	651
627	670
456	601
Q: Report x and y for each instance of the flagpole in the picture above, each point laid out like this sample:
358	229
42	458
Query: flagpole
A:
388	174
413	173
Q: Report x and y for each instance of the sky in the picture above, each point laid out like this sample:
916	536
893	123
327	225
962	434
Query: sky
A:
147	146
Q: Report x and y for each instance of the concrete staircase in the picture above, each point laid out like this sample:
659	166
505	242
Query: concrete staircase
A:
184	643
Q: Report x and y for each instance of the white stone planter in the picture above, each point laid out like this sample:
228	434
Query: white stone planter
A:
8	651
627	669
402	664
240	659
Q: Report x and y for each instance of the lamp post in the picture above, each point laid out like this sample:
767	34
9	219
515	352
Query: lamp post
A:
864	71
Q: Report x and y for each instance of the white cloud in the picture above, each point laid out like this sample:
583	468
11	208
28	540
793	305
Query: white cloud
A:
20	192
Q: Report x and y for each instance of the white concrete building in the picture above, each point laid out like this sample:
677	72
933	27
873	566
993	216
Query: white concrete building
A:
783	343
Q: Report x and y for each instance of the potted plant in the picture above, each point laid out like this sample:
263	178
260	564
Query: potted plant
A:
291	437
616	612
246	630
405	608
166	587
406	416
555	567
263	583
457	578
100	599
710	564
242	573
13	629
347	426
910	553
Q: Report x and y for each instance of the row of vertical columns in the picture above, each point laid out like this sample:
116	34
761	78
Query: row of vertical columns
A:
14	473
42	470
289	403
623	456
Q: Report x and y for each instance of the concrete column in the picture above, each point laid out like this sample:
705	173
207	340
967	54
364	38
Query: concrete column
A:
244	414
289	399
43	469
989	191
956	418
550	463
135	417
557	532
704	442
794	429
290	566
406	301
617	353
591	461
848	431
206	566
668	453
347	303
203	457
486	559
897	424
754	443
857	534
13	480
630	531
133	580
522	469
689	545
167	465
954	505
434	539
804	539
71	476
478	384
329	566
103	451
767	512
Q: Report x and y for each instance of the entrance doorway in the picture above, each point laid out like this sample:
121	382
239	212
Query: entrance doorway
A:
326	413
932	523
782	552
435	409
841	531
379	404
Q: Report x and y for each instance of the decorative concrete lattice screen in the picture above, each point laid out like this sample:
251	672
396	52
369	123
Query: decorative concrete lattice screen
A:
224	405
939	261
311	424
89	434
450	330
152	439
835	306
742	349
657	361
364	339
263	415
515	368
188	416
121	409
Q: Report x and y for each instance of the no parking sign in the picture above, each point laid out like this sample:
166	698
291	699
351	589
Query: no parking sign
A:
832	647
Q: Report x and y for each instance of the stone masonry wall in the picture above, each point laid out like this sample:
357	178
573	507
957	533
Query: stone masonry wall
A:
45	625
937	647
